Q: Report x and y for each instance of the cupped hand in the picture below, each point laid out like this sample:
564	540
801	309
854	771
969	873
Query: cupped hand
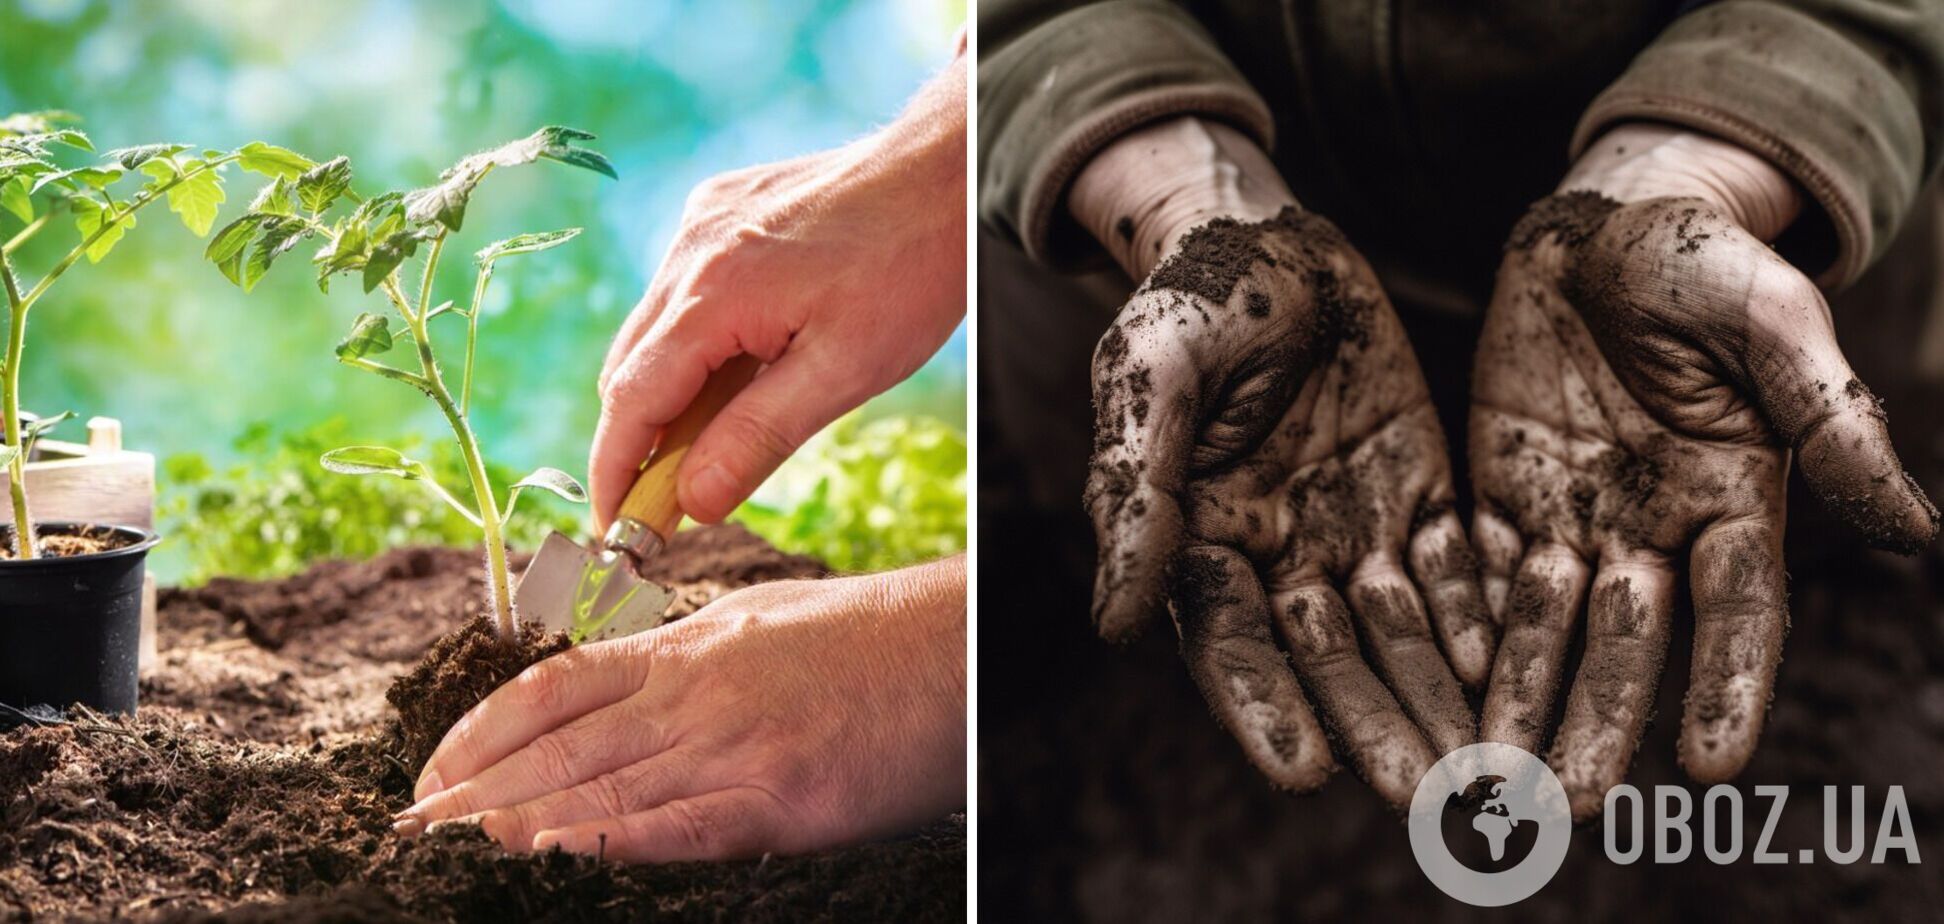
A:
1266	449
1645	372
843	270
783	717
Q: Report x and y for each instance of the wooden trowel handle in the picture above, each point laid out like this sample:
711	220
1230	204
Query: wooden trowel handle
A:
652	499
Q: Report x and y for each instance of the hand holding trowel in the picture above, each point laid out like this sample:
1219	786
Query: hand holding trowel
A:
602	595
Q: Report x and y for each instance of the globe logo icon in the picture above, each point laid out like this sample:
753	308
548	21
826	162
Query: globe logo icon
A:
1489	824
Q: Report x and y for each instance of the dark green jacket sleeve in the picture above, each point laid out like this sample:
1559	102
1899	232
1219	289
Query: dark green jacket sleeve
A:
1846	96
1060	79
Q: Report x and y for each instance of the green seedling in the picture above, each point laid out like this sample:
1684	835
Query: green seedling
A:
38	191
372	240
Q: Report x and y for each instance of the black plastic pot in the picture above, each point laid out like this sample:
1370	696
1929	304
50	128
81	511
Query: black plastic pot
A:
70	628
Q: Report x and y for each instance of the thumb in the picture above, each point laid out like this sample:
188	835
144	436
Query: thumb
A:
1835	425
786	404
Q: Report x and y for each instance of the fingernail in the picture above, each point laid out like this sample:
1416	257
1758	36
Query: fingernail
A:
713	488
546	840
409	826
427	785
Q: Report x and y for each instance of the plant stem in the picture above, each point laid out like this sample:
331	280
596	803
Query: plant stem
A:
499	585
24	545
472	336
27	233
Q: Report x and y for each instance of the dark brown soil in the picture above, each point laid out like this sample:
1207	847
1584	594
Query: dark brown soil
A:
258	780
455	675
64	542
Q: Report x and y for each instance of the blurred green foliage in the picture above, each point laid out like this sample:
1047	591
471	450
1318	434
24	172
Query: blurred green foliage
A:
281	511
678	90
866	495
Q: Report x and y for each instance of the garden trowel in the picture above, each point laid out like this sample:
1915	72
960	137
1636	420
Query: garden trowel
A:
597	595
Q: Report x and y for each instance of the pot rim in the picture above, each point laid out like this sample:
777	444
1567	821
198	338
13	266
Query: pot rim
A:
145	539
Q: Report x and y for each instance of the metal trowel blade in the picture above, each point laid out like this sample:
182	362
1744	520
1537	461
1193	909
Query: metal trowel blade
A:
592	596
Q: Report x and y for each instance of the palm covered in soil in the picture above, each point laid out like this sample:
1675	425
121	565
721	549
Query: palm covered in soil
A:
1265	448
1643	374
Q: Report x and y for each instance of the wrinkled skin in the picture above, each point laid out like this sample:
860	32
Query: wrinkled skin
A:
1259	460
1644	373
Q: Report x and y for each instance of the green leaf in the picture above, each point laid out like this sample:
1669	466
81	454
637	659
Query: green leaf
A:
272	161
548	479
321	185
346	253
226	248
386	254
377	208
279	234
525	243
445	203
197	198
90	217
35	428
373	460
7	454
370	335
131	158
35	123
274	198
14	198
100	177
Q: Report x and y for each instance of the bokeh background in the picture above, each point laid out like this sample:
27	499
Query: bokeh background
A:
237	394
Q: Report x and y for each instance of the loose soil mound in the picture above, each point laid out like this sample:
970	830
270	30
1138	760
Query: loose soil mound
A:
259	778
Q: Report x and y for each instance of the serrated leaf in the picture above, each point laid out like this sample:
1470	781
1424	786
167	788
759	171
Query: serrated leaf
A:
386	254
525	243
14	198
91	217
197	198
445	203
279	234
370	335
100	177
346	253
320	186
553	480
272	161
373	460
376	208
274	198
35	123
226	248
131	158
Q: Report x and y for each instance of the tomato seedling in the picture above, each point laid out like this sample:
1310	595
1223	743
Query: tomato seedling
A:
373	240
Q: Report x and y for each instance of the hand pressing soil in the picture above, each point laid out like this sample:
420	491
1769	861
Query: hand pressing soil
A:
1265	449
1644	373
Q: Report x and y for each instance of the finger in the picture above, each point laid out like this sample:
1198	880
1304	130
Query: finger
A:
1628	617
1540	613
1443	564
633	327
782	407
600	741
625	790
650	387
1146	404
1835	425
541	698
722	825
1500	549
1223	620
1399	637
1740	616
1387	749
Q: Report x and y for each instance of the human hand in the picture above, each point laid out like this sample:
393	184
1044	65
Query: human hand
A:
784	717
843	270
1265	447
1647	367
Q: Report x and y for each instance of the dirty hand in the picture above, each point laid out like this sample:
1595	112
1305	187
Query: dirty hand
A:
784	717
1266	448
1647	367
843	270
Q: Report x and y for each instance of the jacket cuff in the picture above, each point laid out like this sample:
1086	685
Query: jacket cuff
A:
1052	98
1758	75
